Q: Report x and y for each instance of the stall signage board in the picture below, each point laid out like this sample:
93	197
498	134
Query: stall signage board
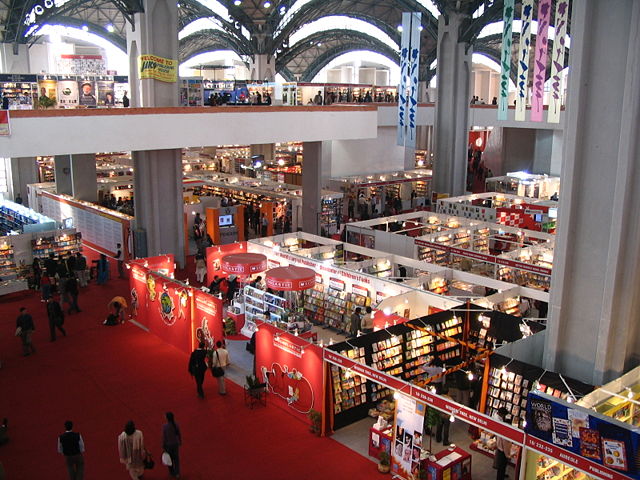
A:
288	346
468	415
358	290
573	460
394	182
336	284
18	78
583	438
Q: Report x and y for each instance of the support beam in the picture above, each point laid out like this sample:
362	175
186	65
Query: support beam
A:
593	333
24	170
311	186
84	182
62	171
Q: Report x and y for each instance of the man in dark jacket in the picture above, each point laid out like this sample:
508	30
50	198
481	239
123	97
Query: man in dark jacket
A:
26	325
71	445
56	318
72	294
198	367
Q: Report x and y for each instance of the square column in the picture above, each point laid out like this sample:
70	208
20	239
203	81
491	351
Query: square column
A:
84	180
23	171
62	172
158	200
312	186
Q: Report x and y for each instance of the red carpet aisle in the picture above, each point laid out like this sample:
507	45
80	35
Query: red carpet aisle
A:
100	377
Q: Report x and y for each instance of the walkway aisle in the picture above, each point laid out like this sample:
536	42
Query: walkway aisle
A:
100	377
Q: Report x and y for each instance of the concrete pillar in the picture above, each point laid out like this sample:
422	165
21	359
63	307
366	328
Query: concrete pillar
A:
311	186
543	147
23	171
84	181
555	166
452	108
158	201
12	61
593	332
263	67
409	159
62	171
154	32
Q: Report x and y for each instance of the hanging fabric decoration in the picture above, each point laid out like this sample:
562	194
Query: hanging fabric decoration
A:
505	62
557	62
540	70
409	68
524	54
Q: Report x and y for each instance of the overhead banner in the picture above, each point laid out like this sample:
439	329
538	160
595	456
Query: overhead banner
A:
158	68
409	85
540	65
505	62
598	445
407	433
557	62
5	129
524	55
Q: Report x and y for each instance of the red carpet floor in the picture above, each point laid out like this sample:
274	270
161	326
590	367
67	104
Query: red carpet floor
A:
100	377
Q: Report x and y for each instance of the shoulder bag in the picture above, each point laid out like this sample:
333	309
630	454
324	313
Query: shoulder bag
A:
217	371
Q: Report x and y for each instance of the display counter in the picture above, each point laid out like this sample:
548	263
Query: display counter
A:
448	464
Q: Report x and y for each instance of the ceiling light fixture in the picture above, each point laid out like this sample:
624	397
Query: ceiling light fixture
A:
85	28
111	28
266	4
237	3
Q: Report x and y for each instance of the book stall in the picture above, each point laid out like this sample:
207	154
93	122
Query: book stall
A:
524	184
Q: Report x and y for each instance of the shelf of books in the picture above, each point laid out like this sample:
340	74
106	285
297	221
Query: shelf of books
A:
349	390
8	267
331	307
59	244
549	469
257	302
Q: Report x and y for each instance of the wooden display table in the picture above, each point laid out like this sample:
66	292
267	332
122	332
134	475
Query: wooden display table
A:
449	465
379	441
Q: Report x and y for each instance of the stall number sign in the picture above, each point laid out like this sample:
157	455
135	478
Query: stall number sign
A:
358	290
336	284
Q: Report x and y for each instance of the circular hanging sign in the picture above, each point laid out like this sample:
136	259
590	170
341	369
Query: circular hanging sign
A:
244	264
291	278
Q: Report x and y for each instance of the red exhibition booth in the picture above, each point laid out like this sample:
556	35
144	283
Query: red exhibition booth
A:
178	313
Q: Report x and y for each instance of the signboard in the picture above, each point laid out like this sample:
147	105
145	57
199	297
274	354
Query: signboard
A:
336	284
207	319
158	68
5	128
407	437
358	290
578	437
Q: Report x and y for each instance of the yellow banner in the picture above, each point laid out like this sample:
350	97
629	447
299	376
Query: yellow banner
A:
158	68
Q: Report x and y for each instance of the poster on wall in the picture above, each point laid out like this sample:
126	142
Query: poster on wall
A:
47	92
106	95
158	68
291	367
207	319
407	437
67	92
87	93
584	433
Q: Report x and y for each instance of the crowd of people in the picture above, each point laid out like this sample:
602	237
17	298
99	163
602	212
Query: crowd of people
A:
120	204
348	97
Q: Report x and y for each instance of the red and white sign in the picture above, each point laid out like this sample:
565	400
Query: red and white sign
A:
569	458
5	128
336	284
358	290
468	415
244	264
291	278
365	371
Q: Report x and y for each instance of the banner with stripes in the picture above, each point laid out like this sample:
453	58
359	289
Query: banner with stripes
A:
505	62
409	85
557	62
524	55
540	66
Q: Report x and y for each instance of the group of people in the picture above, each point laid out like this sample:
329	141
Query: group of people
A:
348	97
202	359
227	287
359	323
120	204
132	451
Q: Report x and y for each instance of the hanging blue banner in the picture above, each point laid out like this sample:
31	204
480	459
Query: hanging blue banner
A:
409	80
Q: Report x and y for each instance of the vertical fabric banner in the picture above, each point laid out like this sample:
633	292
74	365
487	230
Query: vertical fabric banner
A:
505	62
540	66
557	62
409	85
524	54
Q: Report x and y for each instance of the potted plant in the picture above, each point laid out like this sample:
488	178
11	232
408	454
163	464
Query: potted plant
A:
46	102
316	422
254	386
230	326
385	462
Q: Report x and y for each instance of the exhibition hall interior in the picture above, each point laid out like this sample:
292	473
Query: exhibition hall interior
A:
319	239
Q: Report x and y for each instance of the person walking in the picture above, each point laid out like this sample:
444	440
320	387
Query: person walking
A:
24	330
72	294
81	269
56	318
220	359
131	450
171	441
198	367
120	258
354	326
102	269
71	445
201	268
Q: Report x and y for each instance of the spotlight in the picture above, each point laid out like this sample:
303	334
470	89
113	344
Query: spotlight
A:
399	27
266	4
85	28
111	28
237	3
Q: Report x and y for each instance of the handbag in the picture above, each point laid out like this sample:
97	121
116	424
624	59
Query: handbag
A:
18	331
166	459
148	461
217	371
